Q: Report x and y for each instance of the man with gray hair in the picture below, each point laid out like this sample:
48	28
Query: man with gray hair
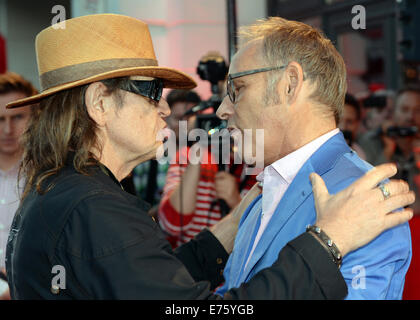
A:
289	80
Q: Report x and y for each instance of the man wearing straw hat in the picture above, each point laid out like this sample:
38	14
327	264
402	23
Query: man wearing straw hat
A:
78	235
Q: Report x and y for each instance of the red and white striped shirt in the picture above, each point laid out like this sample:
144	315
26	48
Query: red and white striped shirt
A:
181	228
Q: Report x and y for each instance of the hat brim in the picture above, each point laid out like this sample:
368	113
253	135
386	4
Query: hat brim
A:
172	78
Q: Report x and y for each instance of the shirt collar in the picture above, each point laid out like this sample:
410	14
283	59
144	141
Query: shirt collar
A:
102	167
109	173
288	166
12	171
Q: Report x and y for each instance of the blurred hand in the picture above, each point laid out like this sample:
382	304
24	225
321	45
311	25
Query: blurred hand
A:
359	213
227	188
250	196
5	295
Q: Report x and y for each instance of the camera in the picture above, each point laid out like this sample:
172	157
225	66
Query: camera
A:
401	131
212	68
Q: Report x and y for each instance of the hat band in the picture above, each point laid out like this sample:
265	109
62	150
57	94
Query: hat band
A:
89	69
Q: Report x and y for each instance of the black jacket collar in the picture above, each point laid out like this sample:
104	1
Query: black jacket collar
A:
102	167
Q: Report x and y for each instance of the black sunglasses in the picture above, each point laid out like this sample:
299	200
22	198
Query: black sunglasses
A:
151	89
231	87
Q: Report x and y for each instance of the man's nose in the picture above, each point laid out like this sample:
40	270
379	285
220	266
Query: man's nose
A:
225	110
163	108
7	127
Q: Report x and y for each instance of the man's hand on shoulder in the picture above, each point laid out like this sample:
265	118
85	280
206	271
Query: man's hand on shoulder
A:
359	213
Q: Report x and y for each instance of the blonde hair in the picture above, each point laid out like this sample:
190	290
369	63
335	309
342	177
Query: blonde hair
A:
285	41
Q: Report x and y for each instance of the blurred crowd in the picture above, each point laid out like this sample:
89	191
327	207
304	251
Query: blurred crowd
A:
384	128
187	197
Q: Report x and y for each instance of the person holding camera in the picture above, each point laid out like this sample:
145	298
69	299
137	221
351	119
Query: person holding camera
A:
377	108
195	194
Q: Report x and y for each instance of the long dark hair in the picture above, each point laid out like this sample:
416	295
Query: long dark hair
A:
60	124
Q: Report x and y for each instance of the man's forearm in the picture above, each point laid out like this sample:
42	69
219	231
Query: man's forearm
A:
303	270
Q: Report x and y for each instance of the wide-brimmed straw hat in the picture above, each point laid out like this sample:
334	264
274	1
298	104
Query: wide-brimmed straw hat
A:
97	47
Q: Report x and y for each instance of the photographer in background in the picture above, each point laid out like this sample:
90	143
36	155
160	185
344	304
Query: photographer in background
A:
350	122
396	139
377	108
180	101
196	196
190	200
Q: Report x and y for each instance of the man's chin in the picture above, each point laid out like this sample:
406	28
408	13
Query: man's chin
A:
9	151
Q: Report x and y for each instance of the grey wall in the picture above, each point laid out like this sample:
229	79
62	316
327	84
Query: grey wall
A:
20	22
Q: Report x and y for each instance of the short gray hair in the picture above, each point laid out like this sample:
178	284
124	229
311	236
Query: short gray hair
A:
285	41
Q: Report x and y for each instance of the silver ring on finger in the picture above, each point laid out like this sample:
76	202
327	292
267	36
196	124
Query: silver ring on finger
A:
385	191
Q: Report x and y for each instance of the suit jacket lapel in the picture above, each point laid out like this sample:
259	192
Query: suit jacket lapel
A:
244	241
300	188
292	199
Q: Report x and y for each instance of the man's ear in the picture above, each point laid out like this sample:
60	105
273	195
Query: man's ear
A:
95	102
292	85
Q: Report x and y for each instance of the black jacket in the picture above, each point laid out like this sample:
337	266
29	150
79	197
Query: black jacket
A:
111	248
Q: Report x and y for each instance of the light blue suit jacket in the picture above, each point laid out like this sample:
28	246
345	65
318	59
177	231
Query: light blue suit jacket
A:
375	271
